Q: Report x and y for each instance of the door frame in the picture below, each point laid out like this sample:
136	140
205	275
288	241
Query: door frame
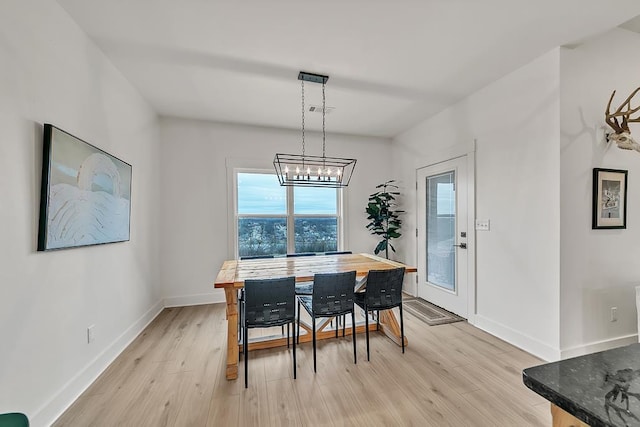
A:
471	229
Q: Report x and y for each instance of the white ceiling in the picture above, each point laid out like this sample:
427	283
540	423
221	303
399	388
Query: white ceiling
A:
391	63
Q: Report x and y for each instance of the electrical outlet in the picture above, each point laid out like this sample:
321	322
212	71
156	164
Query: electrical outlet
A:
614	314
91	334
483	225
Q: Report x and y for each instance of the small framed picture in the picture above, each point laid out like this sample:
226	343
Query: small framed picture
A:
609	198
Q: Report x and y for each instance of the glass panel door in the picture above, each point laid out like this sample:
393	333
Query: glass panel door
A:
442	220
441	230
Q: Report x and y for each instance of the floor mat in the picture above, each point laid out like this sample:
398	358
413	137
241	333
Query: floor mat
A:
430	314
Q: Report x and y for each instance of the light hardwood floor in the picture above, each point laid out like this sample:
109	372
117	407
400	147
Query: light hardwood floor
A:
174	374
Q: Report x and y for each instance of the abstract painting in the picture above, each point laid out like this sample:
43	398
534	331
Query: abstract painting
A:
85	196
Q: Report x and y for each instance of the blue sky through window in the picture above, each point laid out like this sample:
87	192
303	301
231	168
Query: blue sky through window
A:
314	200
261	193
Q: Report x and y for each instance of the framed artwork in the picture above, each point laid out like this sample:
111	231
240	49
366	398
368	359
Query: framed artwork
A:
609	198
85	198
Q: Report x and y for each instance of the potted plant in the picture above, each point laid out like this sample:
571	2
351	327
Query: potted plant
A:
384	217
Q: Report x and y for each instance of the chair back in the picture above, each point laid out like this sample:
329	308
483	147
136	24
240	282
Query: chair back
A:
269	302
384	288
333	293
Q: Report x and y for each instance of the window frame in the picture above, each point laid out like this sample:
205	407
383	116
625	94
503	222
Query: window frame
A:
290	215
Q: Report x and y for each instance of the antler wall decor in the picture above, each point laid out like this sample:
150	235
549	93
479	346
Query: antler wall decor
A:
619	121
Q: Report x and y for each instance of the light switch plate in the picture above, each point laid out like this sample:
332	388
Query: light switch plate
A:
483	225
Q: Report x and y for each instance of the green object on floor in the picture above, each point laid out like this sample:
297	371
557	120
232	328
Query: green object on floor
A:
14	419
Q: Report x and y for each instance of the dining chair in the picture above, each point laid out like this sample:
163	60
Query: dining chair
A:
332	296
305	288
268	303
383	292
241	294
14	419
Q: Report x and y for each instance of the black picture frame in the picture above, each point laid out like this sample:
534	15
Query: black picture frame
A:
85	196
609	199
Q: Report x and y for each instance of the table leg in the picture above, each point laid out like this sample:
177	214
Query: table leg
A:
231	295
561	418
390	326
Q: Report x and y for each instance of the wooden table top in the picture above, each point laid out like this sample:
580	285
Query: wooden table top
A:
234	272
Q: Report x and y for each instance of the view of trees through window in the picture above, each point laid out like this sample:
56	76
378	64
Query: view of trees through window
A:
262	236
269	225
316	234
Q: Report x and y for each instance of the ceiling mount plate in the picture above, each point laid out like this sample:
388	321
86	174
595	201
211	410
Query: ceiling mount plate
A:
311	77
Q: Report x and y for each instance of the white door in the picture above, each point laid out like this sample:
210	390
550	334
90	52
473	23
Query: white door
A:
442	235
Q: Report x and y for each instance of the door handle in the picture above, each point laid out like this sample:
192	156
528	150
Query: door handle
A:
462	246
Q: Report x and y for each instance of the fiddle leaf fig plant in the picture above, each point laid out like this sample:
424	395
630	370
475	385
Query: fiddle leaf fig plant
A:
384	217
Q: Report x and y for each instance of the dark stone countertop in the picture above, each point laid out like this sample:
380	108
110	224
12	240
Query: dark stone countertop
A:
595	388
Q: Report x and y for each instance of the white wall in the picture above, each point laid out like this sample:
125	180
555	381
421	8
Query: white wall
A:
515	122
600	268
194	194
51	72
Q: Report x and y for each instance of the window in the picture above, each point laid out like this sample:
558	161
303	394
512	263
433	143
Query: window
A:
275	220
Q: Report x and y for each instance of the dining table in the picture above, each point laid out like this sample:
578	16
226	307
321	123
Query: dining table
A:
233	273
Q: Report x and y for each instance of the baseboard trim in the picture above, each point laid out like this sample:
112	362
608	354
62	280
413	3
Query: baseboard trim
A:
51	410
198	299
520	340
596	346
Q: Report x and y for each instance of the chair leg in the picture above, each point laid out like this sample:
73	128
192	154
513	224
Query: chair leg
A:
313	322
401	328
245	349
282	327
344	322
287	334
353	334
378	321
294	355
337	325
366	327
298	322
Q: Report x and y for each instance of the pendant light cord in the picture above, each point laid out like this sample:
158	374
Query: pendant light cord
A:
302	123
324	109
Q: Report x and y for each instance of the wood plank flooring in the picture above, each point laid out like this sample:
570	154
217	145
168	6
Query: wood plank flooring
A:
173	374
